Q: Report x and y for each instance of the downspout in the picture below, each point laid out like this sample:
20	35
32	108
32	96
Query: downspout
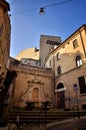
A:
54	79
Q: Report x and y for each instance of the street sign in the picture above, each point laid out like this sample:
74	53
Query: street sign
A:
75	87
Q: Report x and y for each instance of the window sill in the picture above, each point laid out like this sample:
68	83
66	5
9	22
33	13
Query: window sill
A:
83	94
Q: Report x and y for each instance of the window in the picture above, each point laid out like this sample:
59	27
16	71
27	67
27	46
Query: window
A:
58	56
82	84
78	61
60	86
84	106
59	70
75	44
50	63
25	60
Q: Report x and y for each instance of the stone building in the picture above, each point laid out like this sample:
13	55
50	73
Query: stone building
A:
29	56
56	72
47	44
68	62
5	30
7	79
33	84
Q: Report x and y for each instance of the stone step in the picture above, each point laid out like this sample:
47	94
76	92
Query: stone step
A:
35	117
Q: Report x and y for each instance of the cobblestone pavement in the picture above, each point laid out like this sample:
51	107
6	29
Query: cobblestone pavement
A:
71	124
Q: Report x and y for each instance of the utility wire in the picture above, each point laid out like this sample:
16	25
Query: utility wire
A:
57	3
25	11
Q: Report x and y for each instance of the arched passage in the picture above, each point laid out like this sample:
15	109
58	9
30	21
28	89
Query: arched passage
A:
60	97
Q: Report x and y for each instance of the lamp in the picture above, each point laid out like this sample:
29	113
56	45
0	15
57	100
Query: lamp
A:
54	4
42	11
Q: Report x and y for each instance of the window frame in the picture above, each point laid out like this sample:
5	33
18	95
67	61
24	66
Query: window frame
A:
75	44
59	70
50	63
58	56
78	61
82	85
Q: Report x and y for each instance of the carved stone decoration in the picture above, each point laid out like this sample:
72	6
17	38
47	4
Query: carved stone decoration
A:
35	81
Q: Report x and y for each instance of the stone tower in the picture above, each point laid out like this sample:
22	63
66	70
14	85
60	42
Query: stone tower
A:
47	43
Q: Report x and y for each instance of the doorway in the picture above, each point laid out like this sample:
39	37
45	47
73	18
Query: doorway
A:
60	96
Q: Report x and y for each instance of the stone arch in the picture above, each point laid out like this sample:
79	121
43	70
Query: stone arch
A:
60	86
78	61
77	54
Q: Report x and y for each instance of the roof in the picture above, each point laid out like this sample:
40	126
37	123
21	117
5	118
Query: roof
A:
84	25
32	53
5	4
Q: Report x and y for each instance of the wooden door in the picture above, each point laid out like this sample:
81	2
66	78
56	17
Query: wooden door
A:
60	99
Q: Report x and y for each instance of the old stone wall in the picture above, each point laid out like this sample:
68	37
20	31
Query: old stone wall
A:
4	35
68	80
33	84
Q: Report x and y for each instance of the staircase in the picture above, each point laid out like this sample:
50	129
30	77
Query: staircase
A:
41	117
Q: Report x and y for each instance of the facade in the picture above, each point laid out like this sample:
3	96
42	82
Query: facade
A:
29	61
4	35
33	84
32	53
7	78
29	56
68	62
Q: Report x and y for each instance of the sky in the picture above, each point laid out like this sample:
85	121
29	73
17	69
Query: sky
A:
27	25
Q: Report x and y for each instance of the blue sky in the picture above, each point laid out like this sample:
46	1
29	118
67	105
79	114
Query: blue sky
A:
27	26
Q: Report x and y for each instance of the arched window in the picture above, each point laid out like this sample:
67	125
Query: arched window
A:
58	56
75	44
60	85
78	61
59	70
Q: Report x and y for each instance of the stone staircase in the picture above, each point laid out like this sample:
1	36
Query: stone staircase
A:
42	117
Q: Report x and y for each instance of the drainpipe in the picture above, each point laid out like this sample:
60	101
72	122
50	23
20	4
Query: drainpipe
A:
54	79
